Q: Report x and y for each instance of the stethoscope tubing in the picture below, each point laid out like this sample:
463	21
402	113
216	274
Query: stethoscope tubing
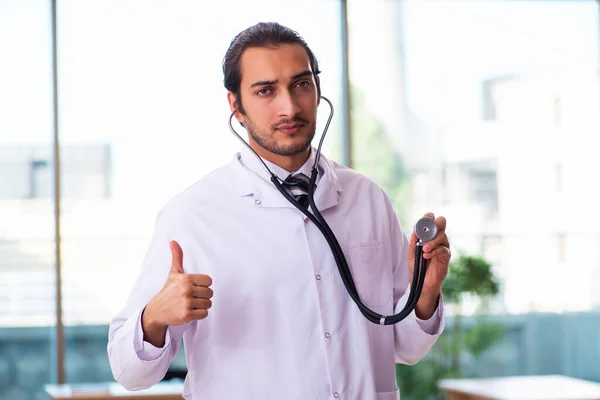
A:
420	267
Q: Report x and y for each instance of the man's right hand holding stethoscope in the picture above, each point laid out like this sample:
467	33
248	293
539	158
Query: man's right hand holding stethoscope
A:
437	253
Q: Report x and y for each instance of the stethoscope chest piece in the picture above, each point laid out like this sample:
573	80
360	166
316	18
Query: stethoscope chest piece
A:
425	229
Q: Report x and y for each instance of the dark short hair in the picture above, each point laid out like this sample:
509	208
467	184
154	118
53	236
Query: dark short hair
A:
263	34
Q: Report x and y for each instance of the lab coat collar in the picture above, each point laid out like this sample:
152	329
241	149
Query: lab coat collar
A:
254	181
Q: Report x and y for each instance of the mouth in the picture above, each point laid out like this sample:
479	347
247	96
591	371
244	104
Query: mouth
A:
290	129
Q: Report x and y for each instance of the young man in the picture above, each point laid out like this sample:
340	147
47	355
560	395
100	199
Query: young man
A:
251	285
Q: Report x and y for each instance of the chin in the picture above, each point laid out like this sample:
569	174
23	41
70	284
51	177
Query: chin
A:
292	147
298	139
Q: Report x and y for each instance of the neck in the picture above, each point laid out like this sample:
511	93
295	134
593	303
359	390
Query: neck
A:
288	163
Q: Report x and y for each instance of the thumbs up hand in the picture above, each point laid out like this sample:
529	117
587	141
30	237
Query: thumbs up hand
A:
183	298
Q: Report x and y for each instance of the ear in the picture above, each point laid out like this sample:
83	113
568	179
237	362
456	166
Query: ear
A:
232	101
233	106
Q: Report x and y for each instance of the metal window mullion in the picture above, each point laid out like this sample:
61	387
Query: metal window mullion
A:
346	120
60	339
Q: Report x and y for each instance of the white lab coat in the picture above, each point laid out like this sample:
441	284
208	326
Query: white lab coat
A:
282	325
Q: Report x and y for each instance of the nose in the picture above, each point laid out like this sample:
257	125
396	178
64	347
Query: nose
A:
288	106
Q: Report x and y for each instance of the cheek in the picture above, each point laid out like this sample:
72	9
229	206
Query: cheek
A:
255	113
308	104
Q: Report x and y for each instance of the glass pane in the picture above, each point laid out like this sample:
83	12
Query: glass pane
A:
377	100
491	110
27	244
503	115
144	115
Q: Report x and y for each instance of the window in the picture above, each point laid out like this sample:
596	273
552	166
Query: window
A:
27	243
444	119
482	111
144	115
39	182
483	188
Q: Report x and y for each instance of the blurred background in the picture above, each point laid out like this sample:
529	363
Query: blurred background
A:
484	111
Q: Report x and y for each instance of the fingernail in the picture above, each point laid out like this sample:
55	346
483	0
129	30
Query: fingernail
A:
426	248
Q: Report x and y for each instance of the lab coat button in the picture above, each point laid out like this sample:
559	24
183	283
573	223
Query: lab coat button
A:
318	277
336	395
257	202
327	335
305	220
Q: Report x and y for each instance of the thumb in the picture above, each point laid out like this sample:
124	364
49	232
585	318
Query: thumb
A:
177	258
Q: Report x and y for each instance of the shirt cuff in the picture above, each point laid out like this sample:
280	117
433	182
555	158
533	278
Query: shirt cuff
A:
144	350
432	326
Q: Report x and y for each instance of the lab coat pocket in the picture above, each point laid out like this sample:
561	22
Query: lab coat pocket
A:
370	273
395	395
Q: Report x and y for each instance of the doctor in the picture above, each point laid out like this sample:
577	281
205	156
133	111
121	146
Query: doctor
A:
250	284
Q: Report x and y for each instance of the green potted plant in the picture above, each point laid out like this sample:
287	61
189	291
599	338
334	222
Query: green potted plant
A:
468	277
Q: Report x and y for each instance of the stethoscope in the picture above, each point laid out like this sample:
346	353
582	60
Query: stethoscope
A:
425	229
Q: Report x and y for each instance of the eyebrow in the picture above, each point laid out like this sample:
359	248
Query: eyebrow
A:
298	75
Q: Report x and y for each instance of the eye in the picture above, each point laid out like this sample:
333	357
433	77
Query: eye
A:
304	84
263	91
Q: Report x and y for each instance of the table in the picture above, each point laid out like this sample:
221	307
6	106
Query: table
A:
113	391
529	387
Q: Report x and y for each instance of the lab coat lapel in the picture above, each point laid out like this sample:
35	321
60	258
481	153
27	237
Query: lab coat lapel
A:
264	193
328	190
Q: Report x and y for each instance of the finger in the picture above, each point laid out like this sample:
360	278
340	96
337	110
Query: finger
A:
199	280
196	314
176	257
440	240
429	215
441	252
440	222
200	304
202	292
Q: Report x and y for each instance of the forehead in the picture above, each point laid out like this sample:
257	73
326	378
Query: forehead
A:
273	63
